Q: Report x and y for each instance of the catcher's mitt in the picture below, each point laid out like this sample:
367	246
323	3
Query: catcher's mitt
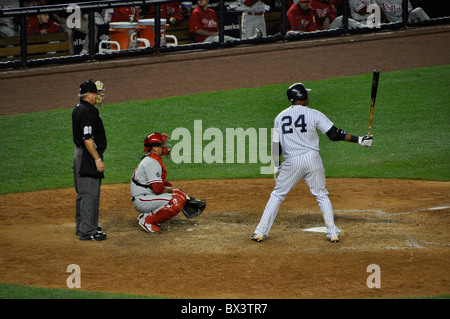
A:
193	207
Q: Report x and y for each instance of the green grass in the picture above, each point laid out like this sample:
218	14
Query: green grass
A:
14	291
411	129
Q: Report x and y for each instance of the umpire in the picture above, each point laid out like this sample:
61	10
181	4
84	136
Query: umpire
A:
88	168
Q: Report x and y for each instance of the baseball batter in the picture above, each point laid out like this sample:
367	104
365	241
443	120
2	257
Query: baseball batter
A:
295	136
152	195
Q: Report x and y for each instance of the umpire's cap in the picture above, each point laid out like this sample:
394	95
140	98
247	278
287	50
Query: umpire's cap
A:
88	86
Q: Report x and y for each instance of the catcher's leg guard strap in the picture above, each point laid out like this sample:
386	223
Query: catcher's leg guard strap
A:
169	211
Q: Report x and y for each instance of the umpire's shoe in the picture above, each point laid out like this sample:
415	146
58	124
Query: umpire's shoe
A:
97	237
77	231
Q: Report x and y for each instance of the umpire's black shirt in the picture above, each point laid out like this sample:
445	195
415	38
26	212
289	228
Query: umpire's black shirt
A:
86	123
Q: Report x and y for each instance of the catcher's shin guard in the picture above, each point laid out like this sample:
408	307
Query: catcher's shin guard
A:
169	211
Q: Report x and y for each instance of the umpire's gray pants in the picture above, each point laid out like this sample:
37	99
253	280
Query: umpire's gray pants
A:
88	199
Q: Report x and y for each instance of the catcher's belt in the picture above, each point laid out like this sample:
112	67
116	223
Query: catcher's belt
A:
193	207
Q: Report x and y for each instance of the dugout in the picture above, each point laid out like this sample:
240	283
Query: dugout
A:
28	51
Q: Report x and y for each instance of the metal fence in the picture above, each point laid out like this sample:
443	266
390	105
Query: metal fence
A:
23	50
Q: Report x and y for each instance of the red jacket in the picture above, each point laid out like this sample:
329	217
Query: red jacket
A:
300	20
122	14
201	19
34	27
323	10
168	10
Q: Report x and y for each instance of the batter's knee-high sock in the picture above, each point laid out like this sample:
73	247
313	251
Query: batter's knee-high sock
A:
268	217
328	218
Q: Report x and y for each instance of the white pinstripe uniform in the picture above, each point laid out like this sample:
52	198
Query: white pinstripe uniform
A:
296	129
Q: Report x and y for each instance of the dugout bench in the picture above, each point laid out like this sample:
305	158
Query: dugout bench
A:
50	45
38	46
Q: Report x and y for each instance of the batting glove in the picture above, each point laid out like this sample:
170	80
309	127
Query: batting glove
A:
365	140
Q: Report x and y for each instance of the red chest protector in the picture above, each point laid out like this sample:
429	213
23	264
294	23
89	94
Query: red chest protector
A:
163	166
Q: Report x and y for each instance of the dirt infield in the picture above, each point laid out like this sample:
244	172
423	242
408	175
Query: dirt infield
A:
400	225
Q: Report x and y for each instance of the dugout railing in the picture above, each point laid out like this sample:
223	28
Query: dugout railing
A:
20	51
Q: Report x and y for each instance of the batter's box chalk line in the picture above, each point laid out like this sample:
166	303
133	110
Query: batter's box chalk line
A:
316	229
376	211
323	229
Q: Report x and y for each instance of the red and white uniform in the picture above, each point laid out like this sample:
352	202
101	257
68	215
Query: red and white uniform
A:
202	19
301	20
253	18
358	9
393	11
323	9
147	190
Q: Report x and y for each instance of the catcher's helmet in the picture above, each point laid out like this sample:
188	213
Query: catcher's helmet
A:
156	139
297	92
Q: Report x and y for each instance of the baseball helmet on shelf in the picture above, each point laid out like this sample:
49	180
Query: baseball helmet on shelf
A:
297	92
157	139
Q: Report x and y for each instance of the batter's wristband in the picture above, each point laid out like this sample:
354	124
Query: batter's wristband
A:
354	139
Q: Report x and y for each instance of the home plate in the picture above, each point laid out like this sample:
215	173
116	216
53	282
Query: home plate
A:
316	229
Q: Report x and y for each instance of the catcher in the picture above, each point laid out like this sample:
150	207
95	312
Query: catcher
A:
152	195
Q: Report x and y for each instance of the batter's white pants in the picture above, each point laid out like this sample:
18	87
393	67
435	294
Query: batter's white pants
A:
308	166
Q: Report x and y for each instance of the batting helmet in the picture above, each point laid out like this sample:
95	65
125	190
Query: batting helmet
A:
156	139
297	92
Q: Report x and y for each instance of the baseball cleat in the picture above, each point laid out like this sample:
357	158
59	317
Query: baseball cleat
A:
333	234
334	239
257	238
149	228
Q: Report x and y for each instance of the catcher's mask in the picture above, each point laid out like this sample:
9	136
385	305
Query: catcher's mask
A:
297	92
92	86
157	139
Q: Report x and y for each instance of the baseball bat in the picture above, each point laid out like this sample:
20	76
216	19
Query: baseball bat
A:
376	77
